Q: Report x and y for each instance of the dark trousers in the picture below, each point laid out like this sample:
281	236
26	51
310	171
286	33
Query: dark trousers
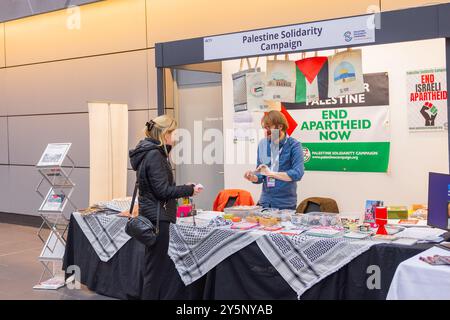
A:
161	279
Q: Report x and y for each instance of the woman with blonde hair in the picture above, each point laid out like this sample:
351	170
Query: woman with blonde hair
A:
150	160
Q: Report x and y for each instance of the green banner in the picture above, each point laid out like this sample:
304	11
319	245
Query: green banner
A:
347	133
351	156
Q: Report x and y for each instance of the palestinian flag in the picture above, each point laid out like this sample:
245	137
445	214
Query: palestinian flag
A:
312	79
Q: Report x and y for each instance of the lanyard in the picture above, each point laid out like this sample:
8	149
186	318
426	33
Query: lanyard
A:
277	159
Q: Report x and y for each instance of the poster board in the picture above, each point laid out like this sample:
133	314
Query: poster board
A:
427	100
54	155
350	133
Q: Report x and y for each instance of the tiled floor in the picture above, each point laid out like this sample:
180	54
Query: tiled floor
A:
20	269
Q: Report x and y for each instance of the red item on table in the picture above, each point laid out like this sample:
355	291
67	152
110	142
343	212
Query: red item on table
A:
381	219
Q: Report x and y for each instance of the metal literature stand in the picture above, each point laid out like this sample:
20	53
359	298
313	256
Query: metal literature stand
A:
51	211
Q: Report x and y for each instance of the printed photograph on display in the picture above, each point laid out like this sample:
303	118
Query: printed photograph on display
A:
54	154
369	211
54	201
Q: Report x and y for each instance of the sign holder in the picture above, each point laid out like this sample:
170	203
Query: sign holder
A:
50	167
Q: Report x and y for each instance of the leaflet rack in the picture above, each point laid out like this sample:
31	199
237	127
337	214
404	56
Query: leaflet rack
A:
51	169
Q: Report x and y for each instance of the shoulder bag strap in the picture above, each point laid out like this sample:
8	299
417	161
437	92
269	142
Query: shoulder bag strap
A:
133	200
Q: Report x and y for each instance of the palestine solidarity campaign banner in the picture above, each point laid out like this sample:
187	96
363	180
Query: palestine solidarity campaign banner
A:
427	100
347	133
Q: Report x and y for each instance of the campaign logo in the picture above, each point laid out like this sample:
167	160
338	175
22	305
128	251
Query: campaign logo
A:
429	112
348	36
307	156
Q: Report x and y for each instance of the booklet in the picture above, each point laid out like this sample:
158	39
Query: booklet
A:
54	201
244	225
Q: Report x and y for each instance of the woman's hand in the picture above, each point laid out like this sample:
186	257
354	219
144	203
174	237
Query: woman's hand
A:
250	176
197	189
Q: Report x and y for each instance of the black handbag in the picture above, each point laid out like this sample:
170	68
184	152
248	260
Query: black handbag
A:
140	227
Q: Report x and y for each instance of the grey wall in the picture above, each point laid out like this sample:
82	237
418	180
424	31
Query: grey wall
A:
47	102
49	73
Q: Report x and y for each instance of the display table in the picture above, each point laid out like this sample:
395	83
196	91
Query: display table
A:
418	280
247	274
121	277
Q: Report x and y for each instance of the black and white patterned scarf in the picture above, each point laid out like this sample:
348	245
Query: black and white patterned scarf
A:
197	250
303	260
106	233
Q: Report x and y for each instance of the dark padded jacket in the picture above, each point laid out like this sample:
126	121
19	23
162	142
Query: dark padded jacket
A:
156	181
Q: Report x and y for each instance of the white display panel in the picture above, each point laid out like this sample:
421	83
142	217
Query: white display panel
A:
307	36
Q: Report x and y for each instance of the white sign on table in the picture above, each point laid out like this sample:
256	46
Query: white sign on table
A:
300	37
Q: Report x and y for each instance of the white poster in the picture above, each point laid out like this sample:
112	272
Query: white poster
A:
427	100
54	155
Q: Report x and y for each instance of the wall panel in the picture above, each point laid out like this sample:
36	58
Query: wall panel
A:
4	189
179	19
152	81
67	86
28	137
23	198
131	182
3	109
136	125
104	27
2	45
3	140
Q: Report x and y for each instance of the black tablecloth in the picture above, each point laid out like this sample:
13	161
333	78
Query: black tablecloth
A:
247	274
121	277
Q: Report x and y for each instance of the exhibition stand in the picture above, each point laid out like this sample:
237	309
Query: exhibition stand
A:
51	169
223	263
383	28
